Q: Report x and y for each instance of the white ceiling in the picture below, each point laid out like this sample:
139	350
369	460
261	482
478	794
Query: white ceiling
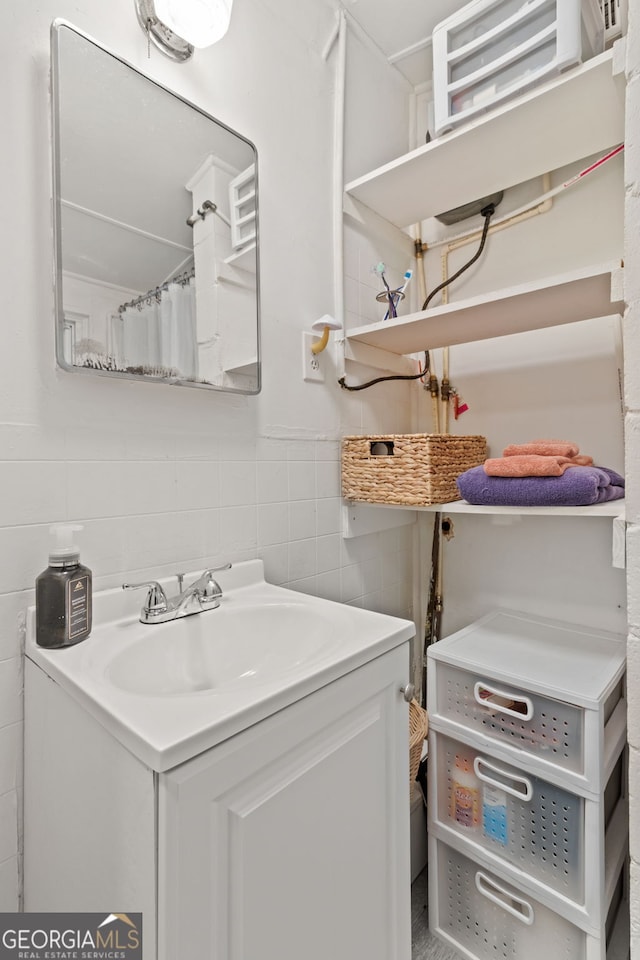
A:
397	27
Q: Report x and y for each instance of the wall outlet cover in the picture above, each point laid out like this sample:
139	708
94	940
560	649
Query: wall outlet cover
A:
311	364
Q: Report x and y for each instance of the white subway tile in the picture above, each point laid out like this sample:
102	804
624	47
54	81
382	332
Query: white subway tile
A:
328	553
276	563
328	450
273	523
327	479
302	519
302	559
23	555
301	450
25	441
149	487
352	582
302	480
10	751
237	530
10	691
96	489
306	585
210	520
148	541
198	484
189	534
32	491
328	585
273	481
9	886
329	513
12	610
92	443
237	483
238	445
8	825
271	449
103	543
371	576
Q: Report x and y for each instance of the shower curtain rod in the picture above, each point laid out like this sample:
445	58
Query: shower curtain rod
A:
181	278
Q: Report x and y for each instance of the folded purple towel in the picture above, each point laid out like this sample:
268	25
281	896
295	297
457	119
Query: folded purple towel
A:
577	487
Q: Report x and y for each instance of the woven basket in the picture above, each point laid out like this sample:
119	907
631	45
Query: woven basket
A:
418	729
408	468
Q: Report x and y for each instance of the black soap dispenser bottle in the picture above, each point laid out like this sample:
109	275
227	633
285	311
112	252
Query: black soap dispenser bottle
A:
63	593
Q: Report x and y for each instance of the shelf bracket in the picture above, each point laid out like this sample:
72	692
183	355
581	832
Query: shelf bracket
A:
619	545
379	359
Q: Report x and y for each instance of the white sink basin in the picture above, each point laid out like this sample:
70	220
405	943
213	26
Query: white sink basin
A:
170	691
223	649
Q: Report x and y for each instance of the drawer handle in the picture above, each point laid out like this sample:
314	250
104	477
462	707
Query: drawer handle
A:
503	898
502	707
525	794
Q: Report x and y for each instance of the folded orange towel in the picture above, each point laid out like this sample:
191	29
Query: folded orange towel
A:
543	448
533	465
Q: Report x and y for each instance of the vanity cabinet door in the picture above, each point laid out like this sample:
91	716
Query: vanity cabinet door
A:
292	839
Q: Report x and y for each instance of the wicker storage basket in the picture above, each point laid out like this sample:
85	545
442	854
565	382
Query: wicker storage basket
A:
418	729
411	468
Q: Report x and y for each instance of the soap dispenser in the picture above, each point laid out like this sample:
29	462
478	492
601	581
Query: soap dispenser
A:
63	593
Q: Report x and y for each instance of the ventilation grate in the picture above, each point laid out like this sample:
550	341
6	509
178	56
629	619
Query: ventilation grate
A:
614	13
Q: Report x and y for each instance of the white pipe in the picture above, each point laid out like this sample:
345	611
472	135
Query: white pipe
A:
533	203
338	171
414	48
328	47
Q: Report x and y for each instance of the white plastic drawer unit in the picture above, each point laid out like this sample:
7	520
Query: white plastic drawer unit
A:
492	50
485	917
531	825
540	693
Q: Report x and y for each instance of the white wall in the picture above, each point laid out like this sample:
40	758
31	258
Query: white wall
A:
166	478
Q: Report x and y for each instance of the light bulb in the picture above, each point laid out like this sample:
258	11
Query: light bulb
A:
199	22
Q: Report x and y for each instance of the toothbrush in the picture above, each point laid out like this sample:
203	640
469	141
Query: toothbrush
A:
396	299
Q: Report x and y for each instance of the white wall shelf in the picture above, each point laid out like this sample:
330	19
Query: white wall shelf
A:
614	508
584	294
575	115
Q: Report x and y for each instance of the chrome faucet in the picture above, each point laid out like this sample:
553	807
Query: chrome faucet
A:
204	593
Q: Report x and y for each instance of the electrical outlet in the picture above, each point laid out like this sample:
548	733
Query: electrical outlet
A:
311	364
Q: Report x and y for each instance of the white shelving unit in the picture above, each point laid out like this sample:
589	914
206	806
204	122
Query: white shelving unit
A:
575	115
584	294
548	751
570	117
615	508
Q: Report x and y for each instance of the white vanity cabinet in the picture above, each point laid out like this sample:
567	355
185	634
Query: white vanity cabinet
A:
288	839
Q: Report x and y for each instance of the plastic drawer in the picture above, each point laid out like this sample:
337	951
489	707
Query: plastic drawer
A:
548	729
487	918
542	694
532	825
492	50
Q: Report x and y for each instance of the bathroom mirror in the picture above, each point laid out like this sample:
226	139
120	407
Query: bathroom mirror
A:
156	229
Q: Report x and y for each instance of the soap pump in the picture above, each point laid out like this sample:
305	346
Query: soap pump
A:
63	593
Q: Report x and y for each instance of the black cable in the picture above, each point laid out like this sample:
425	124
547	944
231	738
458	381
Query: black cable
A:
487	212
397	376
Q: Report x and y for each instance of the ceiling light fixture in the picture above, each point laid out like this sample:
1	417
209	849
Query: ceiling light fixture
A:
177	26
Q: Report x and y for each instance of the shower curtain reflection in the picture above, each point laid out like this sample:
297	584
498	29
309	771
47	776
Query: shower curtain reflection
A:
156	334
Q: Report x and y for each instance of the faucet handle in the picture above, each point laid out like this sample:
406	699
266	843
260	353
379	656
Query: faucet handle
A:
156	601
209	588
